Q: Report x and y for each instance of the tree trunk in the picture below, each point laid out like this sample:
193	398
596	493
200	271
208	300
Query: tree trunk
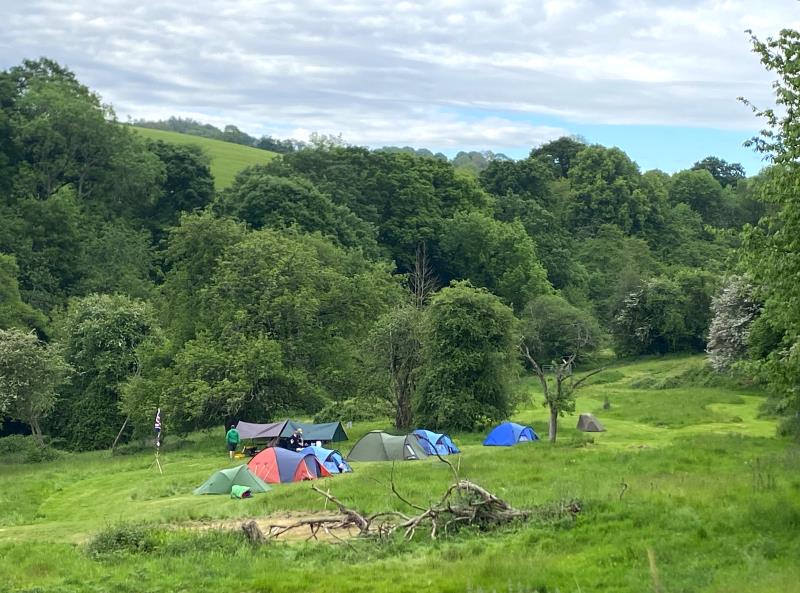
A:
402	414
553	428
36	430
119	434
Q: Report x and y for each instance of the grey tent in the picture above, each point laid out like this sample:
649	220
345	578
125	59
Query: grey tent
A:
588	423
330	431
381	446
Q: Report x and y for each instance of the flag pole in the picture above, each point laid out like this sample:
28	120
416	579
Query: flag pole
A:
157	443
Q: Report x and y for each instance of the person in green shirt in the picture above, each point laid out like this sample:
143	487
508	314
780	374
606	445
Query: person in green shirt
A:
232	438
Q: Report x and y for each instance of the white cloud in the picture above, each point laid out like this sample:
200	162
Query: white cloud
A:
460	73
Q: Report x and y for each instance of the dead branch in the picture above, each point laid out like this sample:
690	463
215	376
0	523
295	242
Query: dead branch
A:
582	379
463	503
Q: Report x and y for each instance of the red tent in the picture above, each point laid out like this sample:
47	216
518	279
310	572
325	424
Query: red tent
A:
275	465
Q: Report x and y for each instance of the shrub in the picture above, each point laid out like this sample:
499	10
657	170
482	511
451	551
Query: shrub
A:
355	410
121	539
24	449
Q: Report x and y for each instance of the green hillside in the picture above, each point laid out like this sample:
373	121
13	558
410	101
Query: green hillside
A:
227	159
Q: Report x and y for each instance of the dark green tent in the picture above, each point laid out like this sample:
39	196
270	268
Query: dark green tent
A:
327	432
381	446
223	480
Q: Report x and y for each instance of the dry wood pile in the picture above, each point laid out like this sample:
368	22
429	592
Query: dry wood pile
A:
464	503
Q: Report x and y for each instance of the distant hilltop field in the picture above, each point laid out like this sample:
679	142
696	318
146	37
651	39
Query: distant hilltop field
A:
227	158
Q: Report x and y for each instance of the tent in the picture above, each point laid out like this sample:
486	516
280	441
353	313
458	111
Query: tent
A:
275	465
330	458
434	442
510	433
588	423
223	481
250	430
330	431
381	446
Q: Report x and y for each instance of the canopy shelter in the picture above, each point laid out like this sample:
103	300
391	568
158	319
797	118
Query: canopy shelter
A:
588	423
330	458
434	442
328	432
508	434
251	430
378	445
223	481
275	465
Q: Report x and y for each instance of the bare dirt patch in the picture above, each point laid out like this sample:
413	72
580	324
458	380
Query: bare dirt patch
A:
270	523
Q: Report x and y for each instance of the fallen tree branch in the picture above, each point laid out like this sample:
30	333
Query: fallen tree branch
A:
464	503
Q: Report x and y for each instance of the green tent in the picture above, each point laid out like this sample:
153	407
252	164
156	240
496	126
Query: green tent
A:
225	479
330	431
381	446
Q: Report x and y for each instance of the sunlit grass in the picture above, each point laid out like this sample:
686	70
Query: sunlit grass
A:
227	158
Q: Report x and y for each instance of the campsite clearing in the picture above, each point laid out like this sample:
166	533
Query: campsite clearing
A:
690	476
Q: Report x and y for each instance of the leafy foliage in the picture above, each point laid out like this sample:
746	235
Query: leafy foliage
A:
470	353
30	374
771	251
101	335
394	351
555	337
265	200
666	314
14	312
495	255
727	174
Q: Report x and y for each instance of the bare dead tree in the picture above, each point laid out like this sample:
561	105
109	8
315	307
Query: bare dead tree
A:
562	398
422	281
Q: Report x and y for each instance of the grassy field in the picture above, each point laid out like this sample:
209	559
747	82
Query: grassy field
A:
227	159
712	504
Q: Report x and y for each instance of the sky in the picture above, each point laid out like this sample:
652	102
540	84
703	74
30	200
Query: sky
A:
659	79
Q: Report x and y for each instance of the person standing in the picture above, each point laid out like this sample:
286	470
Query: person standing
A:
232	438
296	440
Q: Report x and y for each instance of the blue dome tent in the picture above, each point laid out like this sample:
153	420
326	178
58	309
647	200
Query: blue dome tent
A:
510	433
330	458
434	443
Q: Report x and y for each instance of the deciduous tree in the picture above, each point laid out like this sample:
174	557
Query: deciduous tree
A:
31	372
469	360
555	337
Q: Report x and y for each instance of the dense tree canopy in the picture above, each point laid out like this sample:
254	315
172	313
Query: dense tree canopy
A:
289	291
265	200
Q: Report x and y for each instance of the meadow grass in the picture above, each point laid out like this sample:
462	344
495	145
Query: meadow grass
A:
692	477
227	158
